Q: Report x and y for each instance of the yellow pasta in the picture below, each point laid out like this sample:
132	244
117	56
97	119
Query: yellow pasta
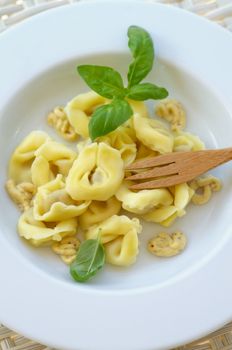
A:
51	159
122	139
142	201
119	235
184	141
99	211
52	202
96	174
153	134
80	109
144	152
23	156
41	233
165	215
139	107
58	188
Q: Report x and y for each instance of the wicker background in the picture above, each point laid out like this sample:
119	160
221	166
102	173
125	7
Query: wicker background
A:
14	11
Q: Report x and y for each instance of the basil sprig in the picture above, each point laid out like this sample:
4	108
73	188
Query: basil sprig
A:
90	258
142	49
108	117
108	83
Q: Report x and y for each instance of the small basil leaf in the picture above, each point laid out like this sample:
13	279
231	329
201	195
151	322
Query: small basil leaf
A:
90	258
109	117
105	81
147	91
141	46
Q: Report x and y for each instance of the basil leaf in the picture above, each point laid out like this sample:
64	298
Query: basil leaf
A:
141	46
147	91
90	258
105	81
109	117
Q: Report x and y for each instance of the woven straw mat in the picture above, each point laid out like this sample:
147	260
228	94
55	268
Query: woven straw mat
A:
14	11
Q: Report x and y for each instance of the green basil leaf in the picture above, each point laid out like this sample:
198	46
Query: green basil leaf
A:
105	81
90	258
109	117
147	91
141	46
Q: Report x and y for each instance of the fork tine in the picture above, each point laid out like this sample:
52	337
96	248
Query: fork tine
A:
159	183
164	159
170	169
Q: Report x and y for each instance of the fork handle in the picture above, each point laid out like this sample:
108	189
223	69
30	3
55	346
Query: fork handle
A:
223	155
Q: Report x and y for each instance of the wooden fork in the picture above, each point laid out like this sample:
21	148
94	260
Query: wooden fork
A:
175	168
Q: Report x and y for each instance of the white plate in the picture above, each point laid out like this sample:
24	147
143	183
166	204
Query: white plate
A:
156	304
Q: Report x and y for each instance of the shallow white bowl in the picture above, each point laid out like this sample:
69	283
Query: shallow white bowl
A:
157	303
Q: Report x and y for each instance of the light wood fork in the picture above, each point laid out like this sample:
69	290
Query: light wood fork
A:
174	168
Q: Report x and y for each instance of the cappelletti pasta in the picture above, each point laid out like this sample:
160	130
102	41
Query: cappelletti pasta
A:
39	233
119	234
143	201
165	215
123	140
96	174
53	203
153	134
60	189
24	155
51	158
80	109
99	211
184	141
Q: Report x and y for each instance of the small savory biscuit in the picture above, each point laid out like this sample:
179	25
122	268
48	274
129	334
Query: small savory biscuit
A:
59	121
167	245
205	186
67	249
173	112
21	194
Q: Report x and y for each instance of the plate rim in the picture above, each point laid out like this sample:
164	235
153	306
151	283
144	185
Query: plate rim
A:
137	297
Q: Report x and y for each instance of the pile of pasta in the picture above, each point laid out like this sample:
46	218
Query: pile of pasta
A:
61	188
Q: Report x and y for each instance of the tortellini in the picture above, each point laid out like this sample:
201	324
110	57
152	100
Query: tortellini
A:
184	141
99	211
40	233
79	111
96	174
145	152
59	188
142	201
153	134
23	156
52	202
138	107
165	215
119	235
51	159
123	140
